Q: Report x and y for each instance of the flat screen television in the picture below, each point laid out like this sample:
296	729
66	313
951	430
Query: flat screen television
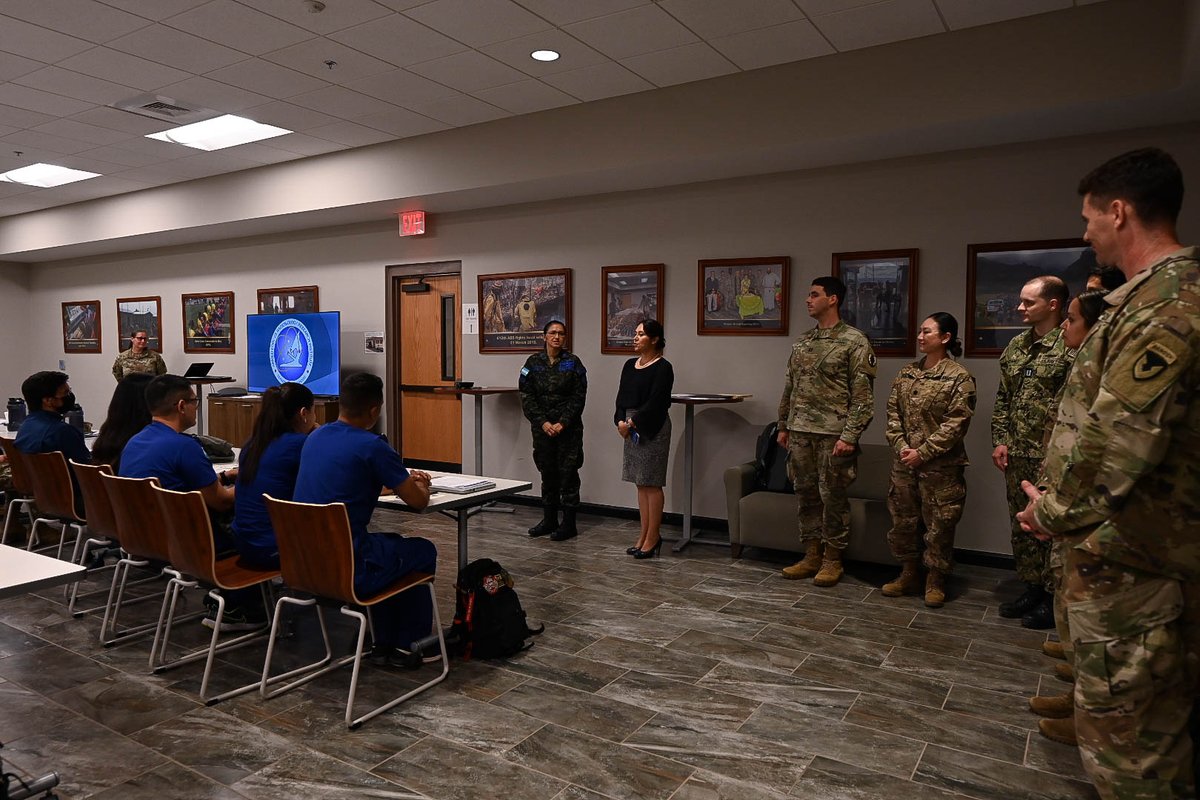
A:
295	348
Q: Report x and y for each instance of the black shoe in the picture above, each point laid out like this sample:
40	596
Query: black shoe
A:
235	620
651	553
549	523
1024	604
1042	616
632	551
567	529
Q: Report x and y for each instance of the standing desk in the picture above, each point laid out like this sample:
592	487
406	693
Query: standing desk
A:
689	402
479	392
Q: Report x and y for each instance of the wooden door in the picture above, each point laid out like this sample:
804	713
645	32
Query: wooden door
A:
430	356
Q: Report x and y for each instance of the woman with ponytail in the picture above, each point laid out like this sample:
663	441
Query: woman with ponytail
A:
928	413
268	464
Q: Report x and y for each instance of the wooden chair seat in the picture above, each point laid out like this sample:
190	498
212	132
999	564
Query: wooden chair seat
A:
22	484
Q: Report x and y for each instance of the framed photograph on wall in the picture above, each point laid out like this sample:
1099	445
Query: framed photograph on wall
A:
995	274
81	326
289	300
208	322
628	295
743	297
139	314
515	306
881	297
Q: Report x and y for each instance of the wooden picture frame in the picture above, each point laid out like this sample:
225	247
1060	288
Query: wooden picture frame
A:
81	326
881	297
139	314
289	300
628	295
995	274
743	296
208	322
515	306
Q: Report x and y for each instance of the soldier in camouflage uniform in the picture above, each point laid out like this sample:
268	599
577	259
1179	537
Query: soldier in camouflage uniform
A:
138	358
928	413
828	401
1033	369
1122	486
553	387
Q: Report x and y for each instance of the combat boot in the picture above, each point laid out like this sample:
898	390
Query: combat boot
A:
548	524
1059	706
935	589
909	581
831	568
1042	615
1059	730
1064	672
807	566
567	529
1027	602
1054	650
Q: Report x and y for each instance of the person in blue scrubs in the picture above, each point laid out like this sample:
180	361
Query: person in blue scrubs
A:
49	398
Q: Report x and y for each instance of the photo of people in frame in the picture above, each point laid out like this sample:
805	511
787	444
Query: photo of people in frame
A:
81	326
208	323
517	305
881	297
139	314
630	294
743	296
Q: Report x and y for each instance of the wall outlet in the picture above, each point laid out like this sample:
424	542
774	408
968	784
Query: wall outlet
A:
62	365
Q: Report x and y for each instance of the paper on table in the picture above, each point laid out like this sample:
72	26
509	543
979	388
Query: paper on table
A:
459	484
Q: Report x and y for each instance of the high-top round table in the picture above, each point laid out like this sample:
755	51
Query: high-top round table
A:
479	392
689	401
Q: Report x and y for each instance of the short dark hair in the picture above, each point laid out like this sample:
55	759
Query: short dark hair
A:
1052	287
41	385
360	392
546	327
1091	305
1149	179
833	287
164	392
654	329
948	324
1110	277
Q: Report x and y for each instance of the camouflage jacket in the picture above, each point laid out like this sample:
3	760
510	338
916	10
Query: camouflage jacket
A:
1032	371
1121	470
553	392
829	385
148	362
930	410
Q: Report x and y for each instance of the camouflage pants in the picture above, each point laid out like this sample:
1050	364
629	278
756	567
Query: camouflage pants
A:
558	459
934	497
1136	648
1032	556
821	480
6	484
1058	548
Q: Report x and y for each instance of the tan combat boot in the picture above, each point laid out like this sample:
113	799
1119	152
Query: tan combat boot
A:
831	568
1054	650
1059	706
909	581
1064	672
807	566
935	589
1059	730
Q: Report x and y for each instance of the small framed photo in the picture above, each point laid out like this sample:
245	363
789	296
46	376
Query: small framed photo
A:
517	305
139	314
81	326
743	297
881	297
995	274
289	300
208	322
628	295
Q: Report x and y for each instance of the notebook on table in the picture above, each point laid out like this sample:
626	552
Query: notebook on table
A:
460	484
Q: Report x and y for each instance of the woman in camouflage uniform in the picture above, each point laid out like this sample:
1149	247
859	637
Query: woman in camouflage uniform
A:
928	413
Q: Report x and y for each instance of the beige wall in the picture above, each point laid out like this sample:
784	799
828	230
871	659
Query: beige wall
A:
14	328
936	203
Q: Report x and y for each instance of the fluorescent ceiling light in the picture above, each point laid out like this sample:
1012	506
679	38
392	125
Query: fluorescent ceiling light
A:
544	55
46	175
219	133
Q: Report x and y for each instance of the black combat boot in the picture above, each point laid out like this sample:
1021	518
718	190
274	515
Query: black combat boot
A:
548	524
567	530
1042	615
1024	604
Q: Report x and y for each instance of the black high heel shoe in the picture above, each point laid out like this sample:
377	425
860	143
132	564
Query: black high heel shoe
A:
632	551
651	553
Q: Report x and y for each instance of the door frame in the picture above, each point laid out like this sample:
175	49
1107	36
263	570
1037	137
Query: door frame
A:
395	275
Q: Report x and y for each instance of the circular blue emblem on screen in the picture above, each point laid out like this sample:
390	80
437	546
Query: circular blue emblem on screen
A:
291	351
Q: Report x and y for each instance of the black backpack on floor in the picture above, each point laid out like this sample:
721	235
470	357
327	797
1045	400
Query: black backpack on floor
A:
488	619
770	462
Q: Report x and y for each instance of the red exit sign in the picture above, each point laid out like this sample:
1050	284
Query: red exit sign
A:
412	223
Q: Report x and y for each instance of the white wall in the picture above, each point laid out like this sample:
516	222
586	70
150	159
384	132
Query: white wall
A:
936	203
14	328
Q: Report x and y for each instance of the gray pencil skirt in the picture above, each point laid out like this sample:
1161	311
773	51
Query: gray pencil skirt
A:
645	463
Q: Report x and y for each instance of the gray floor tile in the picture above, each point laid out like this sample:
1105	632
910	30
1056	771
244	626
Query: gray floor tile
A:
603	717
1009	709
123	704
827	779
939	643
215	744
648	658
447	771
308	774
782	690
51	669
321	725
989	779
845	648
874	680
857	609
169	780
739	652
459	719
573	671
721	710
972	673
776	614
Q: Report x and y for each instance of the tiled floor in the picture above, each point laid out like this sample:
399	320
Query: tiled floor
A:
690	677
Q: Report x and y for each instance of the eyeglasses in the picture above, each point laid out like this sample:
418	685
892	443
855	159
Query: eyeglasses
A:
140	338
190	400
556	334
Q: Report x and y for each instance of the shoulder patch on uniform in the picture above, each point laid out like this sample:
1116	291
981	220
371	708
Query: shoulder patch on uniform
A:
1146	368
871	359
1154	360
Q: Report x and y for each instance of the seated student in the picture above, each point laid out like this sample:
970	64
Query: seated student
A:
345	462
49	398
268	464
127	415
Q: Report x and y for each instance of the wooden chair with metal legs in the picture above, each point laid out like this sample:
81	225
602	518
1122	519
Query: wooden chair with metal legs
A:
316	555
190	541
23	486
54	497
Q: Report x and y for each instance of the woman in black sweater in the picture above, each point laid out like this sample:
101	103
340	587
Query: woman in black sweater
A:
643	399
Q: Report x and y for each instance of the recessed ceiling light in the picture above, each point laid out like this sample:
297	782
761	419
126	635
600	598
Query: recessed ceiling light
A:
544	55
219	133
45	176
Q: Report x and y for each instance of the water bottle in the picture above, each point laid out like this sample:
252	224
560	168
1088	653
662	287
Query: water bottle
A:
16	412
75	419
633	436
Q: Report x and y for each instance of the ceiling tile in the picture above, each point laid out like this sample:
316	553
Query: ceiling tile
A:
158	150
23	118
86	19
155	9
123	156
460	110
82	132
598	82
118	120
5	130
713	18
468	72
123	68
26	202
398	40
338	15
630	33
177	49
12	94
234	25
217	96
10	189
23	39
563	12
104	186
817	8
74	84
266	78
525	97
961	14
401	87
776	45
339	101
692	62
304	145
401	123
478	22
263	153
310	57
42	141
573	53
287	115
350	134
13	66
889	21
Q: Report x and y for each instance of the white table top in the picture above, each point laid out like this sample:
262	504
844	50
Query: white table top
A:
448	501
22	571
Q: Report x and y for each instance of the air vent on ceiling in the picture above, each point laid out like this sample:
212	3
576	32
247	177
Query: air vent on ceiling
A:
163	108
